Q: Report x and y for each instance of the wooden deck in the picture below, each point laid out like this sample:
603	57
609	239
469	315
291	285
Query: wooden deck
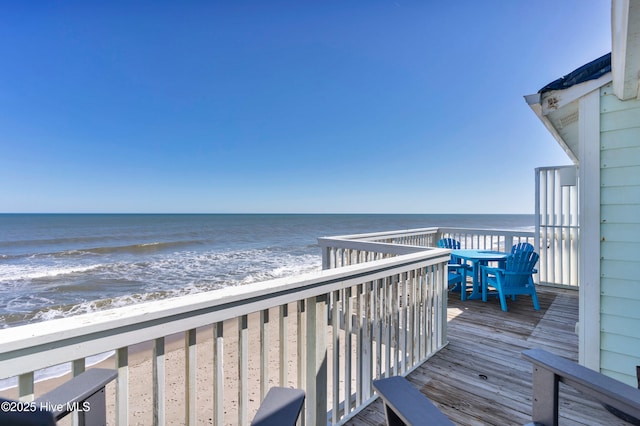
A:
479	378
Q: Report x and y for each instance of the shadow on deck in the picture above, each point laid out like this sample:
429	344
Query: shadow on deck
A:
479	378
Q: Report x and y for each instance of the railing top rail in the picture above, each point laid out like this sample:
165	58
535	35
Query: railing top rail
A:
390	248
554	167
514	232
330	241
57	341
385	234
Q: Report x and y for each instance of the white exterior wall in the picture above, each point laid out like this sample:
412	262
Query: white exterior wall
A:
620	236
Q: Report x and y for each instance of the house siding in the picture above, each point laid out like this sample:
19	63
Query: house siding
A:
620	232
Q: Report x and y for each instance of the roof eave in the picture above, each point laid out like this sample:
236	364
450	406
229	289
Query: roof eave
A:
535	104
543	104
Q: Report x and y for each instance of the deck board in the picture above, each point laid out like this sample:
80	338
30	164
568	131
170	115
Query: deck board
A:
479	378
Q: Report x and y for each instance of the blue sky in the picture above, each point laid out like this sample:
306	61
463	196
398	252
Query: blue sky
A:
268	106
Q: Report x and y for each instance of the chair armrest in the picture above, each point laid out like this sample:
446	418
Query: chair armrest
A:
518	273
603	388
489	269
404	404
70	395
455	267
280	407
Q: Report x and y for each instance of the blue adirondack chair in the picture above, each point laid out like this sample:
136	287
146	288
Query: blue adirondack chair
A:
514	279
518	247
457	270
521	247
449	243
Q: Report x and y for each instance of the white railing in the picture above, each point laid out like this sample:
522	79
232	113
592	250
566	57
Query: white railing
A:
558	256
330	333
488	239
352	249
557	224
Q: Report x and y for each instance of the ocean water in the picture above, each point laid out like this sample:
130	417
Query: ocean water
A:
56	265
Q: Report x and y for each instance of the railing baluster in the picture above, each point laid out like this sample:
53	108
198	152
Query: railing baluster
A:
415	329
441	289
78	366
437	310
301	353
388	334
367	353
359	343
25	387
190	376
435	314
326	257
122	386
316	376
429	308
377	324
508	243
335	330
395	341
347	350
243	367
218	381
158	371
284	344
264	353
417	324
423	312
404	337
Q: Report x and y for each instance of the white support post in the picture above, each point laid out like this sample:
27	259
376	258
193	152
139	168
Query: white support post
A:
589	245
317	360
